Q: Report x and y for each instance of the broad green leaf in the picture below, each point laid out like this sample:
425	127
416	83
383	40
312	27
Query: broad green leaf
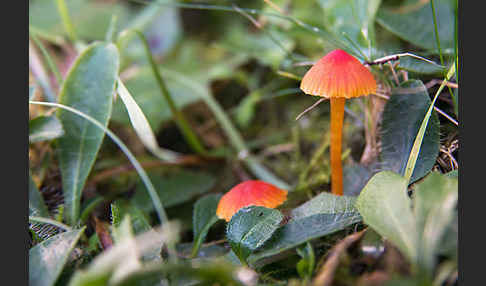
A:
297	232
402	118
44	128
250	228
435	201
173	188
141	125
324	214
448	244
413	22
386	207
37	207
89	88
356	176
204	216
47	259
421	67
324	203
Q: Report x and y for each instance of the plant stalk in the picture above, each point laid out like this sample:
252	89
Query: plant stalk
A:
66	20
179	118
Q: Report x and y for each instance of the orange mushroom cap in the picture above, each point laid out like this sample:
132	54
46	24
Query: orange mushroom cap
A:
249	193
338	74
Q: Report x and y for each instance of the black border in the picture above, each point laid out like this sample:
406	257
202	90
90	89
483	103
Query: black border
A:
15	143
471	118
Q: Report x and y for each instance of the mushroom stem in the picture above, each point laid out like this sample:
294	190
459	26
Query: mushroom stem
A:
337	116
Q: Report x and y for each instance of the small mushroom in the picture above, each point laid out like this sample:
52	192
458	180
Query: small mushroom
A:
338	76
249	193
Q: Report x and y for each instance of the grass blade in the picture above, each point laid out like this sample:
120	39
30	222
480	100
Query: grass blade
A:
141	172
66	19
47	57
412	159
141	125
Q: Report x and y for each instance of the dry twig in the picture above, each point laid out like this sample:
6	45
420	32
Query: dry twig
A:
326	273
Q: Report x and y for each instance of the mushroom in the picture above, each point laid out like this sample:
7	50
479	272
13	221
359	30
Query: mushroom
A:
338	76
249	193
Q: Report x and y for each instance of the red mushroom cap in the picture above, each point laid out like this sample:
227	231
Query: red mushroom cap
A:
249	193
338	74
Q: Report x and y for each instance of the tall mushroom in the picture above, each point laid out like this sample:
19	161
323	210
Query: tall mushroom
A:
338	76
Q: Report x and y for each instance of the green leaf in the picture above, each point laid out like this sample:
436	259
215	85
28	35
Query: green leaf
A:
37	207
356	176
305	267
141	125
122	208
124	230
402	118
355	18
324	203
296	232
418	142
146	93
246	109
413	22
44	128
47	259
250	228
174	188
418	66
386	208
123	259
435	201
89	88
269	47
322	215
204	216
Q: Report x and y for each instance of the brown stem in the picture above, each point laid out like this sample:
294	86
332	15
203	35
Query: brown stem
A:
337	116
325	275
